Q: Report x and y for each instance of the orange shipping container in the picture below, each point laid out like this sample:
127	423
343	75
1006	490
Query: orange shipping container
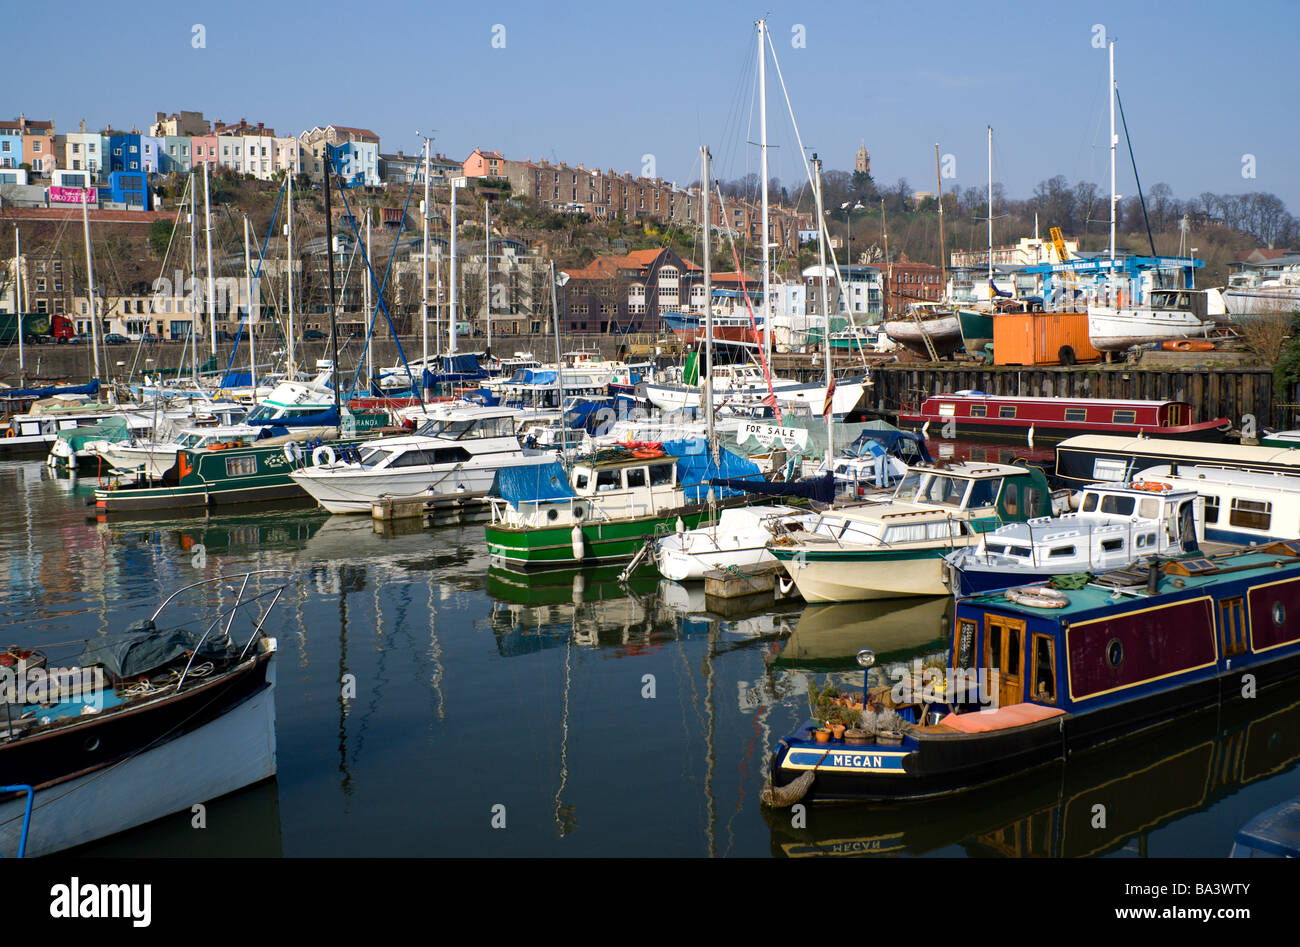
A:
1042	338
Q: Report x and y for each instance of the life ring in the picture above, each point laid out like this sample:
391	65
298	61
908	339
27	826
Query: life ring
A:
647	453
323	456
9	433
1037	596
293	453
1152	486
635	446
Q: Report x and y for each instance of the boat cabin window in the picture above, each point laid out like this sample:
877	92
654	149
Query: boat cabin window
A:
947	410
931	488
580	480
1146	540
1089	503
1044	670
983	493
636	477
1124	417
1108	469
1076	414
979	410
1061	552
1117	505
374	457
1022	551
1250	514
1211	508
1112	545
1007	411
661	475
607	480
241	466
1149	508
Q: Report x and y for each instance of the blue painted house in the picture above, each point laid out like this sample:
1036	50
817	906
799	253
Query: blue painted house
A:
130	188
124	153
11	145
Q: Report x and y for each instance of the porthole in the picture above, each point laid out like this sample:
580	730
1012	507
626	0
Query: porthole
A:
91	744
1114	652
552	514
1279	614
579	512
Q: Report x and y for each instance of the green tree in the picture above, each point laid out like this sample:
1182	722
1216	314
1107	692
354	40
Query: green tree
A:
160	234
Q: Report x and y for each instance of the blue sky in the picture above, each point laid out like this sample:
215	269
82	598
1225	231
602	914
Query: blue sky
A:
1204	83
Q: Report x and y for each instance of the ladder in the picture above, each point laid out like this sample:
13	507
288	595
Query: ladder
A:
925	336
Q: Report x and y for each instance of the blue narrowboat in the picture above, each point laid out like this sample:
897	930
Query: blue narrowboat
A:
1036	674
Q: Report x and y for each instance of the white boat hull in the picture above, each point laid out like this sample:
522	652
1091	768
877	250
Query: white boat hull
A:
679	397
944	333
1113	329
872	576
235	750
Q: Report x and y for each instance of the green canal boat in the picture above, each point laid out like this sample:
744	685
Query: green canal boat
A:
231	473
607	507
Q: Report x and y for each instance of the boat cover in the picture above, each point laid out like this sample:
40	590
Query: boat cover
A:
236	380
696	469
821	489
532	482
110	429
328	418
51	390
145	647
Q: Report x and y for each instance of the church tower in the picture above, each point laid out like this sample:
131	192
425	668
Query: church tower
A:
863	162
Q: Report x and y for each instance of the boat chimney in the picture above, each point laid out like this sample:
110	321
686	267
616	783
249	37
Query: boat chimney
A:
1153	576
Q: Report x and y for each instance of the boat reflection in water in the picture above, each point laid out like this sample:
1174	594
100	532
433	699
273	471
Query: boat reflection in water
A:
1141	785
828	637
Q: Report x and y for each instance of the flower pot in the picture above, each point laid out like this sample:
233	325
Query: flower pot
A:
837	729
889	736
823	735
856	737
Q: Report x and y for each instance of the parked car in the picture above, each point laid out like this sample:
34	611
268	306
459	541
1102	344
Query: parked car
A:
114	338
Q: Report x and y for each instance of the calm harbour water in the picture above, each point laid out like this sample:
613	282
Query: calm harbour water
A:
477	689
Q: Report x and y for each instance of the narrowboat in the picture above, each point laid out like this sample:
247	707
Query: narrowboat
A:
1114	525
975	414
1094	458
223	474
895	548
609	506
1029	684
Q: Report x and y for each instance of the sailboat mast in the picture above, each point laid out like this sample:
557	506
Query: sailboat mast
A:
990	212
826	308
288	229
90	276
424	257
18	300
943	262
370	310
194	283
334	330
1114	139
762	158
248	284
487	264
708	300
559	361
451	317
209	307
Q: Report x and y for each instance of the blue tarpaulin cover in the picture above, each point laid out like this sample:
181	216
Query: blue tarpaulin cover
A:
51	390
327	418
236	380
820	488
695	468
532	482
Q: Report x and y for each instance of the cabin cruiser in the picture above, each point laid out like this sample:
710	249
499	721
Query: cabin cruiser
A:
894	548
739	538
1169	314
1115	525
152	458
1241	506
450	459
742	384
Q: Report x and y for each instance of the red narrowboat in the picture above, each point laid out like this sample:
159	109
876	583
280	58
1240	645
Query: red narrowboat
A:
974	414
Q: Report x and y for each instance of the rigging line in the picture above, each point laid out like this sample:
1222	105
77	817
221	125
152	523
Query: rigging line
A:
821	224
256	276
1137	180
370	329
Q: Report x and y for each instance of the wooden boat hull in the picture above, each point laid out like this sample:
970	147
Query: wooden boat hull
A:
145	762
944	332
976	330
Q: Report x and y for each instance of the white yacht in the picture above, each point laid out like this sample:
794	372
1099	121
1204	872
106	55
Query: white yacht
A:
740	384
1241	506
739	537
1170	314
451	459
